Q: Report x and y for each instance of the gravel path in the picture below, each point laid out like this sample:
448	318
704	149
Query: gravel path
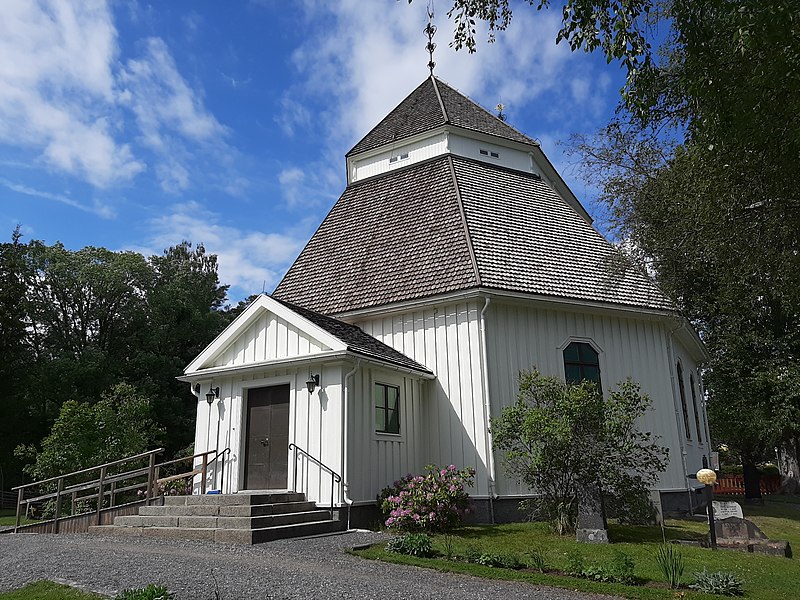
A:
316	568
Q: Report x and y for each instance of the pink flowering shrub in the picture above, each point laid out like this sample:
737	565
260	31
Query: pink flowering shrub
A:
433	502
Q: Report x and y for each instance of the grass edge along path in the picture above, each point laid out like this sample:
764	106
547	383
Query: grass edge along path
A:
765	577
47	590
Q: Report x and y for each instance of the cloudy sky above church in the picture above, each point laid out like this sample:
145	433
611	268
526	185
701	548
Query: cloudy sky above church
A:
135	125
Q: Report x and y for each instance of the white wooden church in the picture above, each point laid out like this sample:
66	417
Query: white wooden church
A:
455	257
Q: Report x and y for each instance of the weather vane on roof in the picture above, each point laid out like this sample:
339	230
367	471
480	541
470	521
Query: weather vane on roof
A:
430	31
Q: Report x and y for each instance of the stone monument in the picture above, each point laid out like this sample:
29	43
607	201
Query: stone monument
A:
592	526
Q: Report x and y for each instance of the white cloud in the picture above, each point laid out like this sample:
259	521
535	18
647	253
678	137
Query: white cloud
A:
57	85
249	260
65	94
359	59
96	207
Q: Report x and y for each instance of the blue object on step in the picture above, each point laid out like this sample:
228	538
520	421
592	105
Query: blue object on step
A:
213	492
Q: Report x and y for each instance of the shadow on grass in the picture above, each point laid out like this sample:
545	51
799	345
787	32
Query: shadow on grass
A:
636	534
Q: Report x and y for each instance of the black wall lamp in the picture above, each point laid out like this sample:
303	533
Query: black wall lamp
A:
212	394
312	383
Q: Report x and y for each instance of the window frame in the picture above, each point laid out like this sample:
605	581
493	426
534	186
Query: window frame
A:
597	350
693	385
385	408
684	403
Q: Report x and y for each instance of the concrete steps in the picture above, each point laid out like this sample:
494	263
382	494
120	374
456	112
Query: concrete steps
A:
230	518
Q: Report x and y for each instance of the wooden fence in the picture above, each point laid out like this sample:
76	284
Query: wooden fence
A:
734	485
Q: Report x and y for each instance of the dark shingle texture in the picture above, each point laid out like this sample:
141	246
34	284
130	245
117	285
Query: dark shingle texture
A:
397	236
357	341
465	113
421	111
400	236
527	239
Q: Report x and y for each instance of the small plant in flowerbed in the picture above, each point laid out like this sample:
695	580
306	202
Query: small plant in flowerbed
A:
619	569
718	582
412	544
434	502
151	592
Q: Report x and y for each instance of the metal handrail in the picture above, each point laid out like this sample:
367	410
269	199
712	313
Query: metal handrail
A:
335	477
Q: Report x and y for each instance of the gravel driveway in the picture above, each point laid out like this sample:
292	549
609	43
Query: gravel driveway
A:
315	568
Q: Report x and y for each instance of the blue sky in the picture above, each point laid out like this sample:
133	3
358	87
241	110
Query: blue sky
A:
135	125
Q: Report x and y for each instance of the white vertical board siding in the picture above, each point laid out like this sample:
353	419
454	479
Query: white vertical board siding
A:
507	157
695	448
520	337
417	151
314	425
268	337
376	459
446	339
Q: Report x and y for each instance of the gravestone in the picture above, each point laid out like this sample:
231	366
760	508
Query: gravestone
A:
592	527
737	533
724	510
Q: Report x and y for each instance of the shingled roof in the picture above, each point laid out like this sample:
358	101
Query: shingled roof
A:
356	339
432	104
452	223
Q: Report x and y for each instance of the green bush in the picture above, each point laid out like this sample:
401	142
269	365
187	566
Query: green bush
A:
619	569
503	560
434	502
670	561
472	553
574	563
411	544
151	592
718	582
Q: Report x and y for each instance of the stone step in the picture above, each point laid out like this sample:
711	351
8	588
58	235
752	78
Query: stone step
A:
268	534
217	522
232	536
231	518
234	499
169	533
236	510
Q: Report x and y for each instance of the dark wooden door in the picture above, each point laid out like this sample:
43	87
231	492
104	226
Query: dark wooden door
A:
266	462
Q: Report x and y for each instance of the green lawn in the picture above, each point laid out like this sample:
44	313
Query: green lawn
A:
8	518
765	577
47	590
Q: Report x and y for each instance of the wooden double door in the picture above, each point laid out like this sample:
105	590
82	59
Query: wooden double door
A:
267	452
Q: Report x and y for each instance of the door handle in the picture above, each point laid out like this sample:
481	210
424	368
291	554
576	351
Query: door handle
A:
265	441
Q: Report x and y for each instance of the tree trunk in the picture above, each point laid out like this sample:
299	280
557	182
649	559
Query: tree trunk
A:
790	467
752	481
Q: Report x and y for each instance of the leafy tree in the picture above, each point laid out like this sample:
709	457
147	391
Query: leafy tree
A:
120	424
562	439
16	358
185	311
698	173
79	322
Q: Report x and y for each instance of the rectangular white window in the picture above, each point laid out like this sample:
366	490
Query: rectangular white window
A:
402	156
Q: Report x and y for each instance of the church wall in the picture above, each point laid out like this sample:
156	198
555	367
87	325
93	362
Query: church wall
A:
375	460
520	336
314	425
446	339
696	445
417	151
506	157
268	337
